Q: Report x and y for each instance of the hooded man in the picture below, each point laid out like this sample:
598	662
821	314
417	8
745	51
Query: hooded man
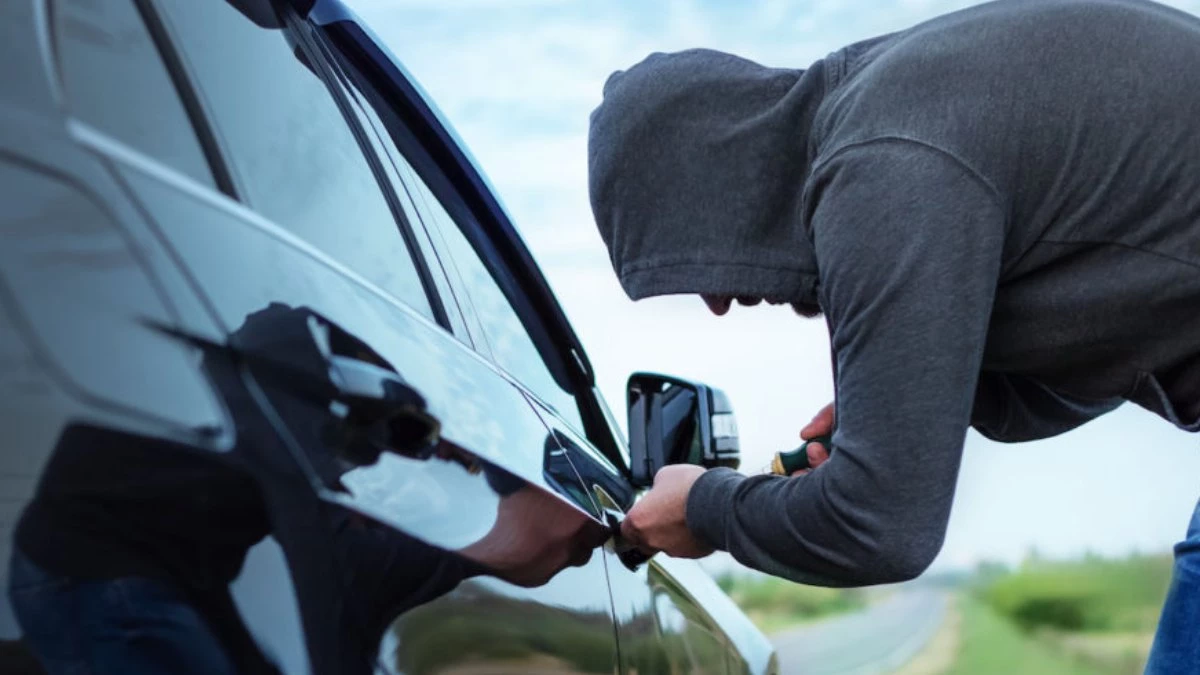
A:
998	214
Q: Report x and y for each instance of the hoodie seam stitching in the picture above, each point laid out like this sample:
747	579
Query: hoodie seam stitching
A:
646	267
970	170
1132	247
834	75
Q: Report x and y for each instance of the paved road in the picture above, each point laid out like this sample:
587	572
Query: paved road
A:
879	639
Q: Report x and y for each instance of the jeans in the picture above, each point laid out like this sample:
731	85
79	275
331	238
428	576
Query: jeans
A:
126	626
1176	647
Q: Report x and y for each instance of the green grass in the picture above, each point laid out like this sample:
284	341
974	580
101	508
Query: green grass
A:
773	604
1094	611
990	644
1093	595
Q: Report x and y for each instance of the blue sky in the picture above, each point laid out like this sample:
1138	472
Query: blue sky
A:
518	78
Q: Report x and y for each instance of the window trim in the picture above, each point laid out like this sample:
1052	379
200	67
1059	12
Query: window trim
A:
462	218
325	65
466	326
188	96
479	336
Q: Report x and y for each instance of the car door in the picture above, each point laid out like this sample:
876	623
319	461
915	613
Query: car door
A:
663	627
578	640
439	555
90	300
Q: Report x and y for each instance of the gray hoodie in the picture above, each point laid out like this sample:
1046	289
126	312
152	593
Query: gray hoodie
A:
997	210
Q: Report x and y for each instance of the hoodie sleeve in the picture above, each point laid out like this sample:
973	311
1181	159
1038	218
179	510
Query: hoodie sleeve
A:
908	244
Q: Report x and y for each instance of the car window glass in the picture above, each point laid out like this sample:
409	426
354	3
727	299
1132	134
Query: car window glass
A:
377	136
512	347
509	342
115	81
294	156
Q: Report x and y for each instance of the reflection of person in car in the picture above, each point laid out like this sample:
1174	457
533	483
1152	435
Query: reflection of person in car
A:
124	556
534	537
122	560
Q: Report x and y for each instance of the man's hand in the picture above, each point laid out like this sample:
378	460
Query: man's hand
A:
820	425
658	521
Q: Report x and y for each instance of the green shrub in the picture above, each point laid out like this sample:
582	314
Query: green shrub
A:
1064	613
1089	595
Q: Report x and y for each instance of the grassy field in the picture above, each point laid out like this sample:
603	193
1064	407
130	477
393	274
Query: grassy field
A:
1094	611
773	604
1089	596
1088	616
991	644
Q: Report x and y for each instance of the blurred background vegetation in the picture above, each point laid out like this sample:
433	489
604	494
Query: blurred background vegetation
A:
1088	616
773	604
1093	615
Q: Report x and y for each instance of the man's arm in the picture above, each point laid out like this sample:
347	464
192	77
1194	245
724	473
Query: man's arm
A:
1013	409
908	242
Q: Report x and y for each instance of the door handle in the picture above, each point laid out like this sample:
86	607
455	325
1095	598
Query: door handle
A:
298	350
371	391
373	408
377	411
627	552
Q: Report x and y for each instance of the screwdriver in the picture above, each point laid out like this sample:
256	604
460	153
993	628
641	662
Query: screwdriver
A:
785	463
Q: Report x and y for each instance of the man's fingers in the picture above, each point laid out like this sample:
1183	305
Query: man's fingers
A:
820	425
631	534
817	454
811	430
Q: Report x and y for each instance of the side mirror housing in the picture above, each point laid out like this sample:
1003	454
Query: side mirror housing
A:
676	421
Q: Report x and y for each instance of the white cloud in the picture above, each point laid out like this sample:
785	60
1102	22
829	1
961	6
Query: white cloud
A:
532	162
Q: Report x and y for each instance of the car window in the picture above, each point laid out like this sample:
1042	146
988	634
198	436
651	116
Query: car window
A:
294	157
115	81
507	340
377	137
511	345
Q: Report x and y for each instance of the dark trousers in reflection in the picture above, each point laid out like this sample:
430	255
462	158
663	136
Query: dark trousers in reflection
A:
126	552
133	625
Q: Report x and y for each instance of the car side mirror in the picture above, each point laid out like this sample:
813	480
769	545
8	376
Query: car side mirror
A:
675	421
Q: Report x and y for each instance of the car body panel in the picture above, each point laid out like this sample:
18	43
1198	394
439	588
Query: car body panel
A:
140	301
244	264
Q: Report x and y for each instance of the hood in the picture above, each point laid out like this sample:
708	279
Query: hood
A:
696	165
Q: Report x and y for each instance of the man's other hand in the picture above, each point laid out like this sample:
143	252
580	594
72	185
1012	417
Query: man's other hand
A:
821	425
658	522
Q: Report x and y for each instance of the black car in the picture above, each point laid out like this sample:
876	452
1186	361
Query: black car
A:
235	233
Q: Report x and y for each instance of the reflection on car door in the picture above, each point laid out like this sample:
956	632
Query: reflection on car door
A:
642	596
86	290
662	625
357	312
564	625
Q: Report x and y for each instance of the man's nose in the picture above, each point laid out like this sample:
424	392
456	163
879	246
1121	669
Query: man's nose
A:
717	305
